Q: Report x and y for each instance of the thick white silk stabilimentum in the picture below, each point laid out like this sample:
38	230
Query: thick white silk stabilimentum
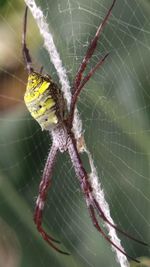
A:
77	124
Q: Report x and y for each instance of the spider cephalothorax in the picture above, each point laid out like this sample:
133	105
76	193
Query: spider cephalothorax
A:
47	105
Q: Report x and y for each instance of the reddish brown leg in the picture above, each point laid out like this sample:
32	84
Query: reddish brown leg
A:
79	83
83	82
102	215
96	224
91	49
43	190
90	199
25	50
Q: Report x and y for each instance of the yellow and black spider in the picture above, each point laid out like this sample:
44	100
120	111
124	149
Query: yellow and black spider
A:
47	105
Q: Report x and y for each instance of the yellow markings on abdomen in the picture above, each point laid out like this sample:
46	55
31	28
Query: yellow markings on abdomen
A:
39	90
43	107
40	100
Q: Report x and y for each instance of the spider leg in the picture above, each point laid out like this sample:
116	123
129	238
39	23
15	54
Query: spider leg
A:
82	83
90	74
43	190
102	215
41	70
25	50
91	49
95	222
79	83
87	190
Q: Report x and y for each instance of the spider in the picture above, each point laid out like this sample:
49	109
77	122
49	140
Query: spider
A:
47	105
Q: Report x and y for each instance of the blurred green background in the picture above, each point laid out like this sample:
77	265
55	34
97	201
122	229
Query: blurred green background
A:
115	108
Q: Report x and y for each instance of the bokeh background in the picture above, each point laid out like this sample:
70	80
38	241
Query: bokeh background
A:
115	108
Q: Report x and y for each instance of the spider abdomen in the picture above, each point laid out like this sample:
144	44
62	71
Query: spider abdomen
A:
44	100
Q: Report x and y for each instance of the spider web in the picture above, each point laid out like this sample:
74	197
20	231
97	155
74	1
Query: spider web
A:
114	108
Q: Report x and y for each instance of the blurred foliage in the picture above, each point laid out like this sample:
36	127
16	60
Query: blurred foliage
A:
144	262
115	107
3	3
